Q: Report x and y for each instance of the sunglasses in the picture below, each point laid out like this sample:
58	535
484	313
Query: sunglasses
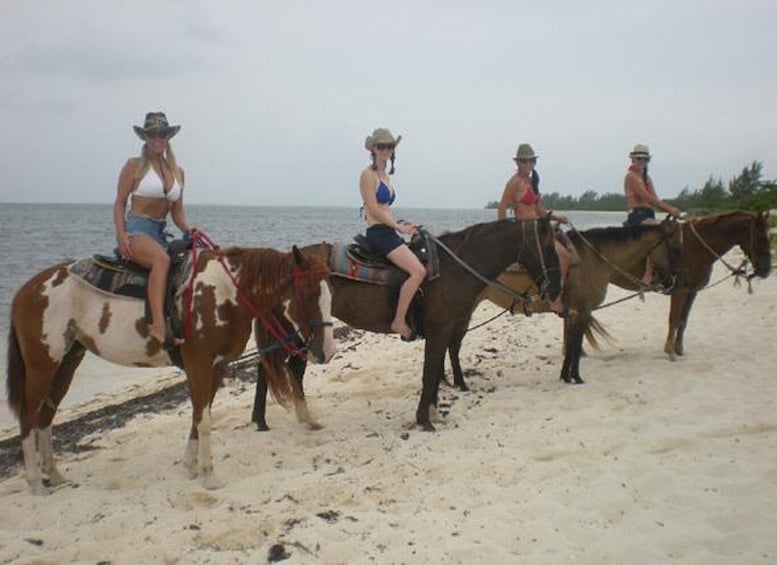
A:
528	160
157	134
646	159
384	146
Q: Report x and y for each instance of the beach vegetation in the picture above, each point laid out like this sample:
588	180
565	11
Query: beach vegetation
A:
746	191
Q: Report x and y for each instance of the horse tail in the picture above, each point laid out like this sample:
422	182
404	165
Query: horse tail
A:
595	328
15	373
280	381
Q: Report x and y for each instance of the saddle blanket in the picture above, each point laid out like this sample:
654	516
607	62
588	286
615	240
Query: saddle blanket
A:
344	263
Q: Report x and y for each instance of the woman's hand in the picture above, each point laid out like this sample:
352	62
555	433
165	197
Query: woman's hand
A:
406	227
124	241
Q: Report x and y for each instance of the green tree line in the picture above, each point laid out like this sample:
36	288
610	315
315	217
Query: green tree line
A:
746	191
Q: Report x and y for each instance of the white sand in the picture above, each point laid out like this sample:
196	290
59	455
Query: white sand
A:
649	462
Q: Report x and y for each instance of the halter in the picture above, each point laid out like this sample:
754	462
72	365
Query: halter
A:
524	298
267	318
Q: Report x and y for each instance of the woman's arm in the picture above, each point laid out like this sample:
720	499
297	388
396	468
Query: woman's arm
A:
177	212
507	199
123	189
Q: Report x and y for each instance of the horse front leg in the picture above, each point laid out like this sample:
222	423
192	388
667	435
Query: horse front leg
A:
679	345
434	362
677	304
297	366
259	412
202	377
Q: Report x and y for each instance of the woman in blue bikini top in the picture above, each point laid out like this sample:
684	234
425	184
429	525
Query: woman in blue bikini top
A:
377	196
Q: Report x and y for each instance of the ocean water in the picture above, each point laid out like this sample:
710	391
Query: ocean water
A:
35	236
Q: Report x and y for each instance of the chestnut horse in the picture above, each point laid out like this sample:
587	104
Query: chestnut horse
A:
447	302
56	317
604	255
705	240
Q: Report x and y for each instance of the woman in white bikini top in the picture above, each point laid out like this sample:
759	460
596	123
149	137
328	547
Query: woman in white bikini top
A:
155	182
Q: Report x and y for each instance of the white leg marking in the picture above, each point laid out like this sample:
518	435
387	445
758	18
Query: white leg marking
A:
207	475
190	458
325	304
31	468
47	457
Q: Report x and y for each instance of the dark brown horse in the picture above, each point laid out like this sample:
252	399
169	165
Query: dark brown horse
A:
448	301
56	317
604	254
705	240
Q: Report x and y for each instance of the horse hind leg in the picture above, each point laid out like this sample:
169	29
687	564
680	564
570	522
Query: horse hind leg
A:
59	387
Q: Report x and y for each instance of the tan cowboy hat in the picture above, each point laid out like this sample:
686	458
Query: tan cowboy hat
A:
381	135
524	151
640	150
156	122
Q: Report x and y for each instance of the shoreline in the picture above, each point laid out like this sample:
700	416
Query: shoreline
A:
649	461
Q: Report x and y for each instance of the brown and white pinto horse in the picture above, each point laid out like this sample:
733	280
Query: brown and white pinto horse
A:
56	317
705	240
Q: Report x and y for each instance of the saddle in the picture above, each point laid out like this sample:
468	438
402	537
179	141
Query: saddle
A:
117	276
359	261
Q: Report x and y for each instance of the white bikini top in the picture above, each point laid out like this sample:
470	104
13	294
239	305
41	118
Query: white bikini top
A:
151	186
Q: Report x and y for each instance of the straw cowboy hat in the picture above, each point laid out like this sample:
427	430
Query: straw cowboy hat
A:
640	150
524	151
381	135
156	122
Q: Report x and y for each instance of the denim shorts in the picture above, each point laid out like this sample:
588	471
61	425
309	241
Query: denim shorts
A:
151	227
383	239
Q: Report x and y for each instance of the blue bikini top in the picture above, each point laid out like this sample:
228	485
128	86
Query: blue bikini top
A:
384	195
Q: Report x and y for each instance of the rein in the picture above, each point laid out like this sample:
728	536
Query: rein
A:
524	298
735	272
634	280
268	319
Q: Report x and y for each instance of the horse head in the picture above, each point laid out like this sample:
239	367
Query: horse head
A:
538	256
667	256
309	307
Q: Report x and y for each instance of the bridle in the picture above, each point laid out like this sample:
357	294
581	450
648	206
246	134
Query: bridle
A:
735	272
524	298
267	317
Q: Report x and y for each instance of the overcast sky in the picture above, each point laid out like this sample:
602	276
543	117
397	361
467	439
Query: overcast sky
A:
276	97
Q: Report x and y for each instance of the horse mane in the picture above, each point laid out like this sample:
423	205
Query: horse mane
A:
458	239
263	270
705	222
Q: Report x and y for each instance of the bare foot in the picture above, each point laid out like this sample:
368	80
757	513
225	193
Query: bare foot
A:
162	337
403	330
158	334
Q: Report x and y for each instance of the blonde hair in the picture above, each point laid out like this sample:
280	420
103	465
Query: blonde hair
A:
169	156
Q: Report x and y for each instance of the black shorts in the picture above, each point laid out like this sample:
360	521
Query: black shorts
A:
383	239
639	215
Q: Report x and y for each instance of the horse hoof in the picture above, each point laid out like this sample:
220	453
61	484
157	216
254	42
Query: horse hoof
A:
314	426
262	427
210	482
427	427
40	490
578	381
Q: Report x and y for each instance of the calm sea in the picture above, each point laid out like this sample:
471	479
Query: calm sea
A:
35	236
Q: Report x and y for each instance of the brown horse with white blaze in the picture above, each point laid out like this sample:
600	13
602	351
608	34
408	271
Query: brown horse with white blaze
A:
56	317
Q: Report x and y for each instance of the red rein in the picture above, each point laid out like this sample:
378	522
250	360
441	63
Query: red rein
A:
268	319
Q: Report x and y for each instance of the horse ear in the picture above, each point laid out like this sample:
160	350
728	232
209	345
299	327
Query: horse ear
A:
299	259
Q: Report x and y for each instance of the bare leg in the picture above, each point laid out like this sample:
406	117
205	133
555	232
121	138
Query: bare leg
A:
563	259
149	254
403	258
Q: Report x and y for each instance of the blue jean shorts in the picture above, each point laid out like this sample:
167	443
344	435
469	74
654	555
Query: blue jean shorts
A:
383	239
151	227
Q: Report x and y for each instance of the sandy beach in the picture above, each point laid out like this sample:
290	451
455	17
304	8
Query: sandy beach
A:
649	462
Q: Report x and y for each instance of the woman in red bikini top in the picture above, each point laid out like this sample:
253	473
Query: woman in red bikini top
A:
522	194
